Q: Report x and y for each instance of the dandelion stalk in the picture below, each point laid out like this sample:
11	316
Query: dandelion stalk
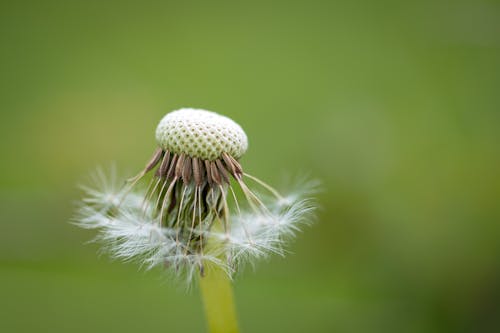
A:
198	216
217	294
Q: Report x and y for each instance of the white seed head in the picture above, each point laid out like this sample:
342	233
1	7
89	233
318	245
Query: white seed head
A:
200	208
200	133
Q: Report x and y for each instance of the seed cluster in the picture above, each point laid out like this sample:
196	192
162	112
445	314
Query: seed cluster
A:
190	193
183	167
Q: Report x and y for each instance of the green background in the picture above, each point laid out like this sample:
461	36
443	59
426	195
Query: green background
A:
393	105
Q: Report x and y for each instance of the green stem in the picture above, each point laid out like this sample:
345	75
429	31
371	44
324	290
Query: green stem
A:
217	294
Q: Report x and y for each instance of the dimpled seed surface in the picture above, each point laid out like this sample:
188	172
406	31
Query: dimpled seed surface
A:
200	133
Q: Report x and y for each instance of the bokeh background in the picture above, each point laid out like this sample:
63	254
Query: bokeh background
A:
393	105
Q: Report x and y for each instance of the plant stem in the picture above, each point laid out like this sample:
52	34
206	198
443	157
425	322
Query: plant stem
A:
217	294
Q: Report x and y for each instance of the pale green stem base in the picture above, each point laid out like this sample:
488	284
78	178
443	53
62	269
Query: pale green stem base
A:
217	294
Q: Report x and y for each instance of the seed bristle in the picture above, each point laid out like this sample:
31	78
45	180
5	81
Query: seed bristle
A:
179	166
209	175
154	160
162	170
215	173
187	171
171	169
197	172
222	171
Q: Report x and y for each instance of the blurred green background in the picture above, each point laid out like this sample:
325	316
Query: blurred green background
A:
394	105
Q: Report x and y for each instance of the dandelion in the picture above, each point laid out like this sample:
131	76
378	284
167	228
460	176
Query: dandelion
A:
194	210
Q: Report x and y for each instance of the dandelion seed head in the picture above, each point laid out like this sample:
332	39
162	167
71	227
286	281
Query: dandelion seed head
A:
200	208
